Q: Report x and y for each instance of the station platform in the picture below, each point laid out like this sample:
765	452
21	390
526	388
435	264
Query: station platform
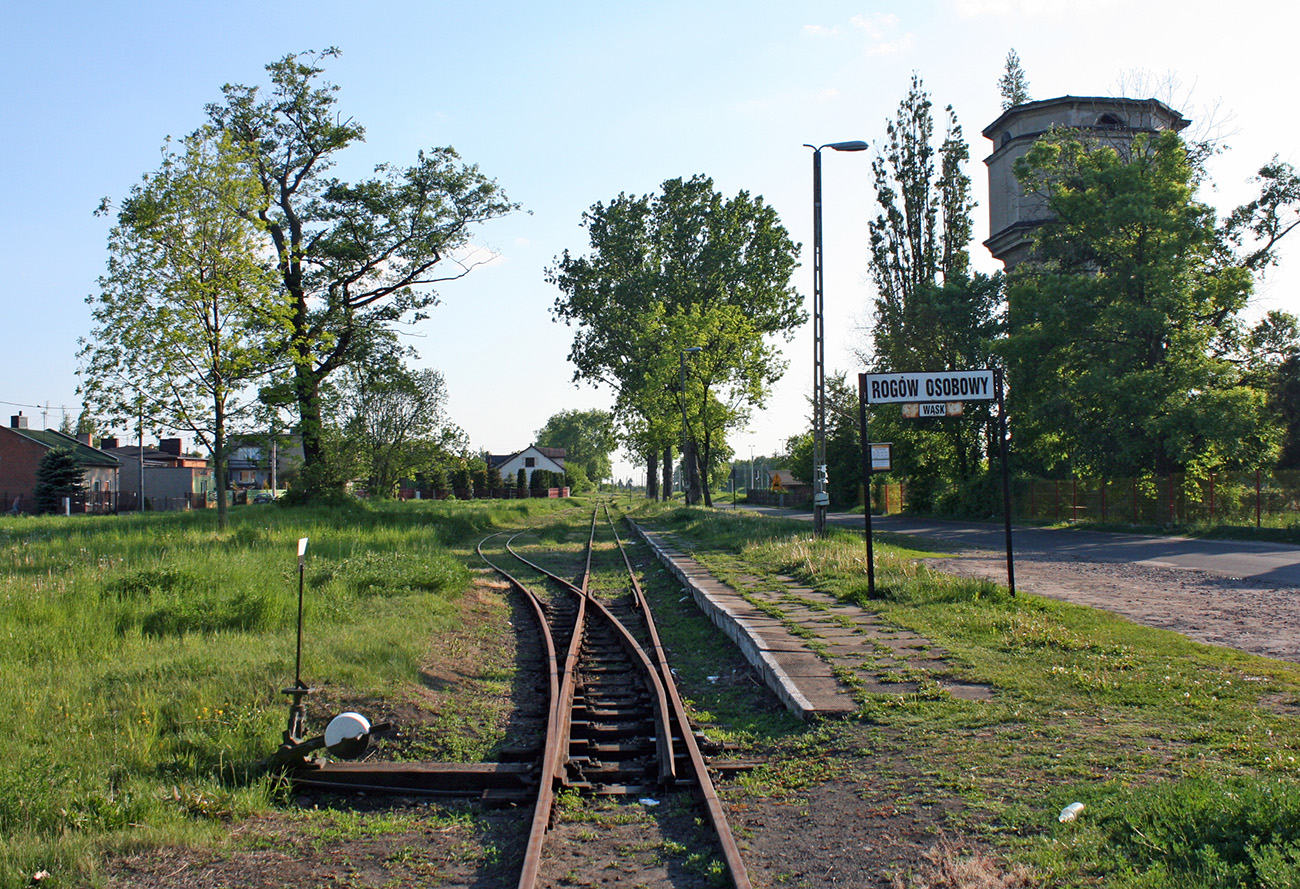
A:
821	657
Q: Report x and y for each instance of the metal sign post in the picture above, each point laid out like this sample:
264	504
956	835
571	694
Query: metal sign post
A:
866	484
1006	484
293	733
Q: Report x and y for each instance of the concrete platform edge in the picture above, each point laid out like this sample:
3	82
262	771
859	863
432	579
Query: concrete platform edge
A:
736	629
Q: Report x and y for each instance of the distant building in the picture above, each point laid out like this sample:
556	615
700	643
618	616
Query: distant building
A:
529	459
21	451
1013	214
250	459
172	479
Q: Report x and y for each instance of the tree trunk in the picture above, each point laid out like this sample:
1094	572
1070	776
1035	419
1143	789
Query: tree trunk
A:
652	476
310	427
222	473
704	459
690	474
668	473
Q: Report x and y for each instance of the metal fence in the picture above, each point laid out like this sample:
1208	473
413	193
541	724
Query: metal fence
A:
1238	498
1251	497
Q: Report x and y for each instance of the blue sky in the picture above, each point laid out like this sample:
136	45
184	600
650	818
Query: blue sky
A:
570	104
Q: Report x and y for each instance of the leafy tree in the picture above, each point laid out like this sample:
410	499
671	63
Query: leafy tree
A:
385	409
920	238
1013	85
183	314
521	481
58	475
493	478
1123	328
350	258
932	313
683	268
460	481
576	478
587	438
435	478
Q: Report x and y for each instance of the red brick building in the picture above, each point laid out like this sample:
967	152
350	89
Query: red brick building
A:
21	450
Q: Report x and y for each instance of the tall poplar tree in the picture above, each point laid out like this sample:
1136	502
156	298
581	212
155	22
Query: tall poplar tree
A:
1014	83
931	313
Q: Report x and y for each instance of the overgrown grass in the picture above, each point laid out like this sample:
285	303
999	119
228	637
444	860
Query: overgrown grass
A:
1185	755
142	659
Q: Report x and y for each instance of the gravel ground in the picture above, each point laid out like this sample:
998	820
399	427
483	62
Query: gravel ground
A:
1247	615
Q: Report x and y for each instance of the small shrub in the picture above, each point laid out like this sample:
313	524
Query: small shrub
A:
1208	833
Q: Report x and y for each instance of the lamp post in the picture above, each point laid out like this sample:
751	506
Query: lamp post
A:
688	452
820	497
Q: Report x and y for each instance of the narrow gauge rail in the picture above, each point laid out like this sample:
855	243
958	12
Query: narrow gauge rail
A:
616	722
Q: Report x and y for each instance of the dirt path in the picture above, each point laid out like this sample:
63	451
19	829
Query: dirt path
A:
1244	614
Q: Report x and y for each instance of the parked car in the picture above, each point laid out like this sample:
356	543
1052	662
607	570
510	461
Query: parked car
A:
264	497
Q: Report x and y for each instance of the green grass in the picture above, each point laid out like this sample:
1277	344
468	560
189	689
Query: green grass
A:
1185	755
142	659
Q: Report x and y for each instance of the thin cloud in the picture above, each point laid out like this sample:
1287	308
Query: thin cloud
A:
1035	9
881	29
821	31
877	25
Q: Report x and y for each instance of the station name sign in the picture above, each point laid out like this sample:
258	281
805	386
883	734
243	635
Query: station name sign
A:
953	385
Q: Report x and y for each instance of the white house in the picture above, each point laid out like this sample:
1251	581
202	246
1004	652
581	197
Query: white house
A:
529	459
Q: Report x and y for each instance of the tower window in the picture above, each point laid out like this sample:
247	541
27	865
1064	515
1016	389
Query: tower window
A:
1110	122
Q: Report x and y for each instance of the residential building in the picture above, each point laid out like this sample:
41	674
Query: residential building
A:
21	451
172	479
529	459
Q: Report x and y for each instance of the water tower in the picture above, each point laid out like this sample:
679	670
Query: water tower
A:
1013	215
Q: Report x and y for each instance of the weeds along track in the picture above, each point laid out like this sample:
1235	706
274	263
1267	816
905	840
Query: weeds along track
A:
616	726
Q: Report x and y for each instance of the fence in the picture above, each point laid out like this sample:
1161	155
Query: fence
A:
1255	497
1222	498
797	498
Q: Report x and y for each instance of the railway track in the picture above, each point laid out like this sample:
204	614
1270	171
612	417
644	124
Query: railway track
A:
616	725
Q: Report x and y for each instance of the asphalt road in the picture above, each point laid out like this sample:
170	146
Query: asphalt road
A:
1273	563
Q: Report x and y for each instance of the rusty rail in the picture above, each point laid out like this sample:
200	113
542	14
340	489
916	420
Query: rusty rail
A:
670	717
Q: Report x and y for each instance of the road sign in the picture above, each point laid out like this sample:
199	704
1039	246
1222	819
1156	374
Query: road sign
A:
899	388
912	411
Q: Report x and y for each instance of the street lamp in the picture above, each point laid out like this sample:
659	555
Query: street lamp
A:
820	497
688	454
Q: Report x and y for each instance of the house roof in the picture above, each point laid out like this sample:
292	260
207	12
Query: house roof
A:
785	478
1177	121
84	454
154	457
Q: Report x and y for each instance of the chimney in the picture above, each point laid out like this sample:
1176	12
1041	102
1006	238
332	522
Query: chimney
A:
84	438
108	443
170	446
18	422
